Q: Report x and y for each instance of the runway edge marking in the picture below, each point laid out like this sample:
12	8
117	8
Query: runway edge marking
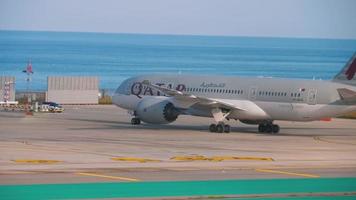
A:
287	173
318	138
109	177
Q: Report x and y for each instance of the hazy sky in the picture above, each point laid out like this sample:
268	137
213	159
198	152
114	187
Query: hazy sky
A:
278	18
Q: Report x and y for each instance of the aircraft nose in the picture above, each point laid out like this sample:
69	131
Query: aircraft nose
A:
125	101
116	100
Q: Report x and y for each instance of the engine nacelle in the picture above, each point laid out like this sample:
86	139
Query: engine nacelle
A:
157	110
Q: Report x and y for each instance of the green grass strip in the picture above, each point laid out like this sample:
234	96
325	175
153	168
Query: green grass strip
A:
176	188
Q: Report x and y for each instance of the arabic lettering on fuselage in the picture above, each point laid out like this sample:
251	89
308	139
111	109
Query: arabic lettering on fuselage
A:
138	89
212	85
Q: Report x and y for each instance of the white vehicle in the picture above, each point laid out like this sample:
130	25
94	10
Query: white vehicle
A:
51	107
160	99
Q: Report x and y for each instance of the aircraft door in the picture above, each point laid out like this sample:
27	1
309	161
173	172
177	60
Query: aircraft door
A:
252	93
311	97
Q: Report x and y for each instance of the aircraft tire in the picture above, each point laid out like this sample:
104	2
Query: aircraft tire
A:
212	128
227	128
135	121
268	128
275	128
220	128
261	128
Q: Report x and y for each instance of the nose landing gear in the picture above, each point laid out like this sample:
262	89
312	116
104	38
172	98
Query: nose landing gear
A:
135	121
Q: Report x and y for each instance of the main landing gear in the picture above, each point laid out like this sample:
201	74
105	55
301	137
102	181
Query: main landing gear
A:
220	115
268	128
135	121
219	128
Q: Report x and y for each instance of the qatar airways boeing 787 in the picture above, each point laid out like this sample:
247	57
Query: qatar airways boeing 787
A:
160	99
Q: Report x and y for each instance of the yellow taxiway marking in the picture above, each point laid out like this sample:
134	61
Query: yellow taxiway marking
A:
287	173
222	158
189	158
132	159
109	177
36	161
218	158
11	173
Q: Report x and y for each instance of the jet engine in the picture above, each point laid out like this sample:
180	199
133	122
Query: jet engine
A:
156	110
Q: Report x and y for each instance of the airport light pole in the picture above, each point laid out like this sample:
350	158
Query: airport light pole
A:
29	73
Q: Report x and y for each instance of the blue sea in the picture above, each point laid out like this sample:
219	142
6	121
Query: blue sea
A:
115	57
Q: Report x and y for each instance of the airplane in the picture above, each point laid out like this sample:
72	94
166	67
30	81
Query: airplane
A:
160	99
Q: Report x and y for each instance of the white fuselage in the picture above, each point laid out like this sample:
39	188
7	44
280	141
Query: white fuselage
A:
260	98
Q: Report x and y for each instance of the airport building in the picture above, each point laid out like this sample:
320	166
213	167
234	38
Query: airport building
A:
7	88
73	89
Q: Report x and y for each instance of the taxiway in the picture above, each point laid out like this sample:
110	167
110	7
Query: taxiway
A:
98	143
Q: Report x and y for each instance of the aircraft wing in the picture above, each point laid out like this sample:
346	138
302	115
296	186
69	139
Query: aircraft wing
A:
186	100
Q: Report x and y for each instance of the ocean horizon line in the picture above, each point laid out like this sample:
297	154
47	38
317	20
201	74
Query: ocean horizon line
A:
180	35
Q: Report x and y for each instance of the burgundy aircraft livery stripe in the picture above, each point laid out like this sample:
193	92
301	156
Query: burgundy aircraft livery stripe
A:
350	73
